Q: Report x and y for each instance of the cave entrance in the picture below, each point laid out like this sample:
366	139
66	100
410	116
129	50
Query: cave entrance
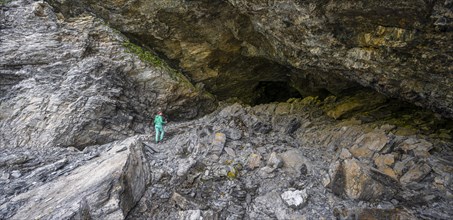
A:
274	91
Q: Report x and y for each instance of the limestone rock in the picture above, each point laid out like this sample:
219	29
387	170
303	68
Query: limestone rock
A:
234	134
184	165
195	214
361	152
266	172
420	148
374	141
230	151
183	202
402	166
269	203
68	79
369	143
345	154
368	213
389	172
358	102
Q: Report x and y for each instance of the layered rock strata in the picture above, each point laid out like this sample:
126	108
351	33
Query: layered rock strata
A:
249	49
103	182
76	82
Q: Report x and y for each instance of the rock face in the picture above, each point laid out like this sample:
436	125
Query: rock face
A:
103	182
74	82
255	50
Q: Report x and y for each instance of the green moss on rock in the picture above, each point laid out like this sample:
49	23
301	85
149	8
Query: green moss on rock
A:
145	56
153	60
362	101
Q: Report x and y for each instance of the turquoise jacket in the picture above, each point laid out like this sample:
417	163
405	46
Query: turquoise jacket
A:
158	121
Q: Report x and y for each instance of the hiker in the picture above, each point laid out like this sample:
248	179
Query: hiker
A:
159	126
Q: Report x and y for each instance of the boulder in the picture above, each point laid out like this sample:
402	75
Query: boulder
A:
184	203
295	162
384	160
345	154
368	144
415	173
184	165
420	148
355	180
270	204
295	198
107	186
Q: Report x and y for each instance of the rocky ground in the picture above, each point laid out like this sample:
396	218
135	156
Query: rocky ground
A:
275	161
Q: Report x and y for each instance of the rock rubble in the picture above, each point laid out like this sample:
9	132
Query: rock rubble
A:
276	176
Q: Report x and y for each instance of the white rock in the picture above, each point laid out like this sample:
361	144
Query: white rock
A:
16	174
295	199
190	215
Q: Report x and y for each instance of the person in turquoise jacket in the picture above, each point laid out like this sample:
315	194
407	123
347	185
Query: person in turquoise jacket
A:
159	126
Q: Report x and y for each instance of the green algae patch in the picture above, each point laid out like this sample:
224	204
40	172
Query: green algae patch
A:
406	131
376	110
362	101
345	108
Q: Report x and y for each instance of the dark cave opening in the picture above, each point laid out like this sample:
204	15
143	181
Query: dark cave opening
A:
274	91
